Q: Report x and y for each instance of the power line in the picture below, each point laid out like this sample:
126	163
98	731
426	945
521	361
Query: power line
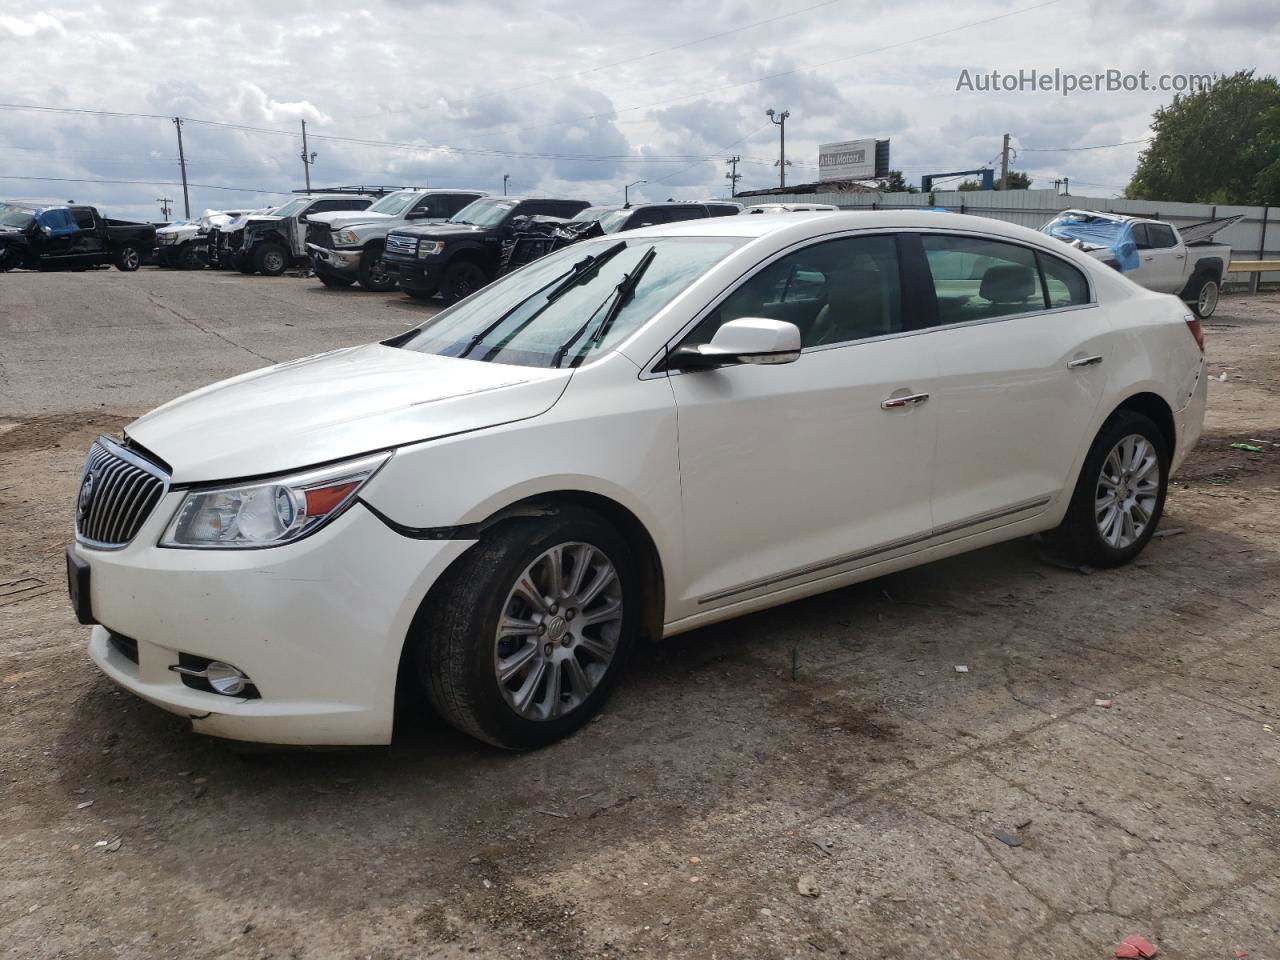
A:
1095	146
146	183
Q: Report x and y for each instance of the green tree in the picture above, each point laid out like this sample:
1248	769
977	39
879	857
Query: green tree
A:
967	185
1220	145
1017	180
896	183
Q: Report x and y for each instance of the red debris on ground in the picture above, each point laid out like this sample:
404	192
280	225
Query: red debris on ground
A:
1136	946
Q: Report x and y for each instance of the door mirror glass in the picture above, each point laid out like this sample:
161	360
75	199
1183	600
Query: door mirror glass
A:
756	340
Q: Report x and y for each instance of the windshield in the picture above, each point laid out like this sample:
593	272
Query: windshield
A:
536	318
15	216
290	208
589	214
612	221
484	213
393	204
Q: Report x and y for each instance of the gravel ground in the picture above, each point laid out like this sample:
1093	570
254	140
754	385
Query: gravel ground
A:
721	807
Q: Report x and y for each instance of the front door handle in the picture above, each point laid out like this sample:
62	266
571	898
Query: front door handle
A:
1084	362
908	401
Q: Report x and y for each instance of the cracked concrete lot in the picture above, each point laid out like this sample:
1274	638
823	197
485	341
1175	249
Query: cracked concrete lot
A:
716	787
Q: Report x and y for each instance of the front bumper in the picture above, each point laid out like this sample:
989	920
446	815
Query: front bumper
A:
413	273
335	261
318	626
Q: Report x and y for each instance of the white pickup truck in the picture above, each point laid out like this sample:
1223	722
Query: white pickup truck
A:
183	244
1183	261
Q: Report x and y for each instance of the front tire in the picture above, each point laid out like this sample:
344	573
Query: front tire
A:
418	293
334	281
523	642
270	259
461	279
128	258
1119	498
1205	298
373	277
188	259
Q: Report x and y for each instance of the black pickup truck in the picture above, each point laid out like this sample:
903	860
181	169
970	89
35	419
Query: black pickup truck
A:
57	237
464	253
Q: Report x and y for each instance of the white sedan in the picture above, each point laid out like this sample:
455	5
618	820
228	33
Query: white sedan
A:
627	439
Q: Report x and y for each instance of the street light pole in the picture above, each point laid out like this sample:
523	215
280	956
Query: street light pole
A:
780	119
505	178
626	192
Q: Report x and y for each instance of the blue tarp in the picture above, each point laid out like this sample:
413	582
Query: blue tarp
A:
1115	235
57	222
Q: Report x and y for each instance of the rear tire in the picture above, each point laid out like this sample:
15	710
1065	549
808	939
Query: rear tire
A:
128	258
372	275
418	294
1204	298
567	591
1119	497
461	279
270	259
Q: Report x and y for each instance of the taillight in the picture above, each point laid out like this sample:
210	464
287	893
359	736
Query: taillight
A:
1197	331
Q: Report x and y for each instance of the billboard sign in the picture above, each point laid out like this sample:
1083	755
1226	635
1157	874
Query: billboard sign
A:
850	160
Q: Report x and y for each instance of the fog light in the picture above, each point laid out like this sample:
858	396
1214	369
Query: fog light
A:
225	678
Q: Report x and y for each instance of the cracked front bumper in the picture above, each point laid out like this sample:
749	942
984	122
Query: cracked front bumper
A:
339	261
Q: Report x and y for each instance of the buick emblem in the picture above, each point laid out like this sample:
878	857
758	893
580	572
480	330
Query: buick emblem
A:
86	496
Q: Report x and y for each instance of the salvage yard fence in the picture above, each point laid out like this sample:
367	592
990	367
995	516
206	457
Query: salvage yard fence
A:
1249	237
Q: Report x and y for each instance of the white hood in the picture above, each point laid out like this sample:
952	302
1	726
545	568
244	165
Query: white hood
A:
337	219
337	405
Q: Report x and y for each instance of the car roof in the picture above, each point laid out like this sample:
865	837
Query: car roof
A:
819	222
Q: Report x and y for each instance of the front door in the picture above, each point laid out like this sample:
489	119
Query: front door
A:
797	472
1021	369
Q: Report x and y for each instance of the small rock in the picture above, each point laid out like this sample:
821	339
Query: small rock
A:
85	805
961	668
1023	824
695	859
807	885
1105	704
112	846
1007	838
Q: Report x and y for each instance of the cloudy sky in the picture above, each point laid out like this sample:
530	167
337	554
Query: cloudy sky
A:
575	98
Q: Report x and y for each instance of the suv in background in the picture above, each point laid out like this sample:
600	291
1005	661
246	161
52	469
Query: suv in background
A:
270	244
637	215
460	256
346	247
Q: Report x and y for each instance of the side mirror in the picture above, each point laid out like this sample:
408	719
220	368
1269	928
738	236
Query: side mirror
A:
746	340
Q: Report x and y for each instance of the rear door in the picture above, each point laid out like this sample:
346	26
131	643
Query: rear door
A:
1022	354
794	473
1159	265
90	245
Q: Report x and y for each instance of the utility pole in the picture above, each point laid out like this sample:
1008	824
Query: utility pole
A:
1004	164
506	177
307	161
733	176
164	206
626	192
780	120
182	162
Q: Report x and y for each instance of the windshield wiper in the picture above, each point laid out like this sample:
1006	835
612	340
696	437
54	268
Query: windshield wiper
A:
585	269
612	306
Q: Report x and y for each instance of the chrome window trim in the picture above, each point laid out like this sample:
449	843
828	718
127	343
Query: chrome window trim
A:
870	555
649	373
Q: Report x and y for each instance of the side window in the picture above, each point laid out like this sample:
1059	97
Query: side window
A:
687	212
321	206
357	203
455	202
835	292
84	218
1064	284
979	279
538	208
434	205
1140	237
1161	235
648	217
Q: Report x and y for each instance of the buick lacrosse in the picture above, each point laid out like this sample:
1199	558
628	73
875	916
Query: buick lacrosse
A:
626	439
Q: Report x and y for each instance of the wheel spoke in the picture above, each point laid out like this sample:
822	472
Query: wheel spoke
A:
553	561
580	685
522	699
510	626
511	666
581	563
600	649
610	611
555	684
605	577
526	588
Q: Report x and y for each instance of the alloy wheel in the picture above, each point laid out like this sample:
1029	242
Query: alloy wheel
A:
1208	299
1127	491
558	631
132	259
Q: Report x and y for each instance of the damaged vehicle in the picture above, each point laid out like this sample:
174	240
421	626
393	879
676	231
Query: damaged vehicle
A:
183	244
639	435
270	244
69	237
346	247
1183	261
225	235
458	257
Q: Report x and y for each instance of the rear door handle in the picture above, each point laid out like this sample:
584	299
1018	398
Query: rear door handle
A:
909	401
1084	362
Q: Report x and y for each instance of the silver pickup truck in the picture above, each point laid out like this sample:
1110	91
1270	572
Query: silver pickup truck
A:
1180	260
347	247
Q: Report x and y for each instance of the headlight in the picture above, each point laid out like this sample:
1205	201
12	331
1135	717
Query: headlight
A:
269	513
347	237
428	248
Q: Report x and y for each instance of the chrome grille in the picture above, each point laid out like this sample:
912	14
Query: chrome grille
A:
408	246
118	491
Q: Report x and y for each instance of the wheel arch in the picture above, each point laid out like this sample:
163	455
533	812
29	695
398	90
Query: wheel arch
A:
1155	408
474	254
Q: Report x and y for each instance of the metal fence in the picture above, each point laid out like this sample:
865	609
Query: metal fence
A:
1249	238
